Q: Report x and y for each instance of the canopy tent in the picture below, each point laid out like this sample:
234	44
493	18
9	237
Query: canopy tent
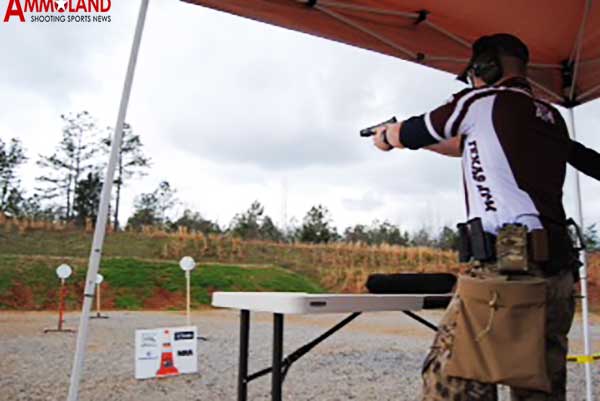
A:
563	39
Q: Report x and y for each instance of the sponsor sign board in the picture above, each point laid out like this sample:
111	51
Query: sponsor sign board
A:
166	351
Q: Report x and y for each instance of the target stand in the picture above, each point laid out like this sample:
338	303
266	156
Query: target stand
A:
99	315
63	272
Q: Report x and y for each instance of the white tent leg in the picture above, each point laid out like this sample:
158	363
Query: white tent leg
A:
584	278
96	251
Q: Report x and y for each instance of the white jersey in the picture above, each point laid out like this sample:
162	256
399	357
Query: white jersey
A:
514	152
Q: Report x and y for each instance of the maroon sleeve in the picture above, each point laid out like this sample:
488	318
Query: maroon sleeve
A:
584	159
438	118
436	125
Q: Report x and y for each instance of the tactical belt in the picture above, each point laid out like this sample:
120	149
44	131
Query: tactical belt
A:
534	243
515	248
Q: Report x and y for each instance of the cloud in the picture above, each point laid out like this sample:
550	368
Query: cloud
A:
369	201
254	94
54	59
228	109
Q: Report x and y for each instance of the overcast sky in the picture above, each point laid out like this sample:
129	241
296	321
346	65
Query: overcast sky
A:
232	111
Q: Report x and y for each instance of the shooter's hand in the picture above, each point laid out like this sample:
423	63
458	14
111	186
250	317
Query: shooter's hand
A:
387	137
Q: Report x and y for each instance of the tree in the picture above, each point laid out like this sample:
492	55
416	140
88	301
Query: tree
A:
291	230
387	233
194	221
11	157
268	230
72	159
14	203
145	212
422	238
317	226
254	224
378	233
131	163
448	239
591	238
151	208
358	233
87	198
247	224
166	199
31	208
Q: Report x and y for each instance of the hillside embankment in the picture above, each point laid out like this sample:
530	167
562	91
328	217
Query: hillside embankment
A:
141	271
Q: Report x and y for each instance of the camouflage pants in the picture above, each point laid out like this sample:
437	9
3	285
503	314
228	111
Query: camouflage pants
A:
559	317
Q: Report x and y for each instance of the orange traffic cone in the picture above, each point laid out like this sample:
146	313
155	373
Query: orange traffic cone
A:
167	366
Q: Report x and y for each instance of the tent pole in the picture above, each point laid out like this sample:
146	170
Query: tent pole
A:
367	31
584	277
544	89
96	251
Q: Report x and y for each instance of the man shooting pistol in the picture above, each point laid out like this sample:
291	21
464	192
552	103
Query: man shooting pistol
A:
509	319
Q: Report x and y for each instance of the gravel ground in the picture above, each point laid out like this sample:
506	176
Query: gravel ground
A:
376	357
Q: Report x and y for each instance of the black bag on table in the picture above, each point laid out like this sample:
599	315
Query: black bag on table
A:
415	283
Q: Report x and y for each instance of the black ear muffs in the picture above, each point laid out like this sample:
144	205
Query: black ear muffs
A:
485	62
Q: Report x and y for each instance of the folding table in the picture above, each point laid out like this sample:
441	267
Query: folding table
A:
282	303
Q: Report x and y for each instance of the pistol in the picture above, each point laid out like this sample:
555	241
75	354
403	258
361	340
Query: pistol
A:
370	131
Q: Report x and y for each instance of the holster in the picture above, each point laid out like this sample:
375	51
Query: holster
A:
565	245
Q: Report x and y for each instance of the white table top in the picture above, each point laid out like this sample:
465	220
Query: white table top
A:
303	303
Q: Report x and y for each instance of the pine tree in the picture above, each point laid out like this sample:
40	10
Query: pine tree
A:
151	208
11	157
73	158
591	237
357	233
386	232
317	226
255	224
422	237
87	198
130	163
448	238
247	224
194	221
269	231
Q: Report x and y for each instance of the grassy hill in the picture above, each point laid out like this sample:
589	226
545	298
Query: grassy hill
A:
30	282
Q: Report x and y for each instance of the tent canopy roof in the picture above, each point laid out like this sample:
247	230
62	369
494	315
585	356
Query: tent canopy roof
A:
563	36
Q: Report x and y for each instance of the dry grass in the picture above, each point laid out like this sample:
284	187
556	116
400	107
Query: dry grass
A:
28	225
25	225
339	267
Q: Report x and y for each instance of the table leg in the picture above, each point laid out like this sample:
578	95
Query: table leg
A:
243	368
277	356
